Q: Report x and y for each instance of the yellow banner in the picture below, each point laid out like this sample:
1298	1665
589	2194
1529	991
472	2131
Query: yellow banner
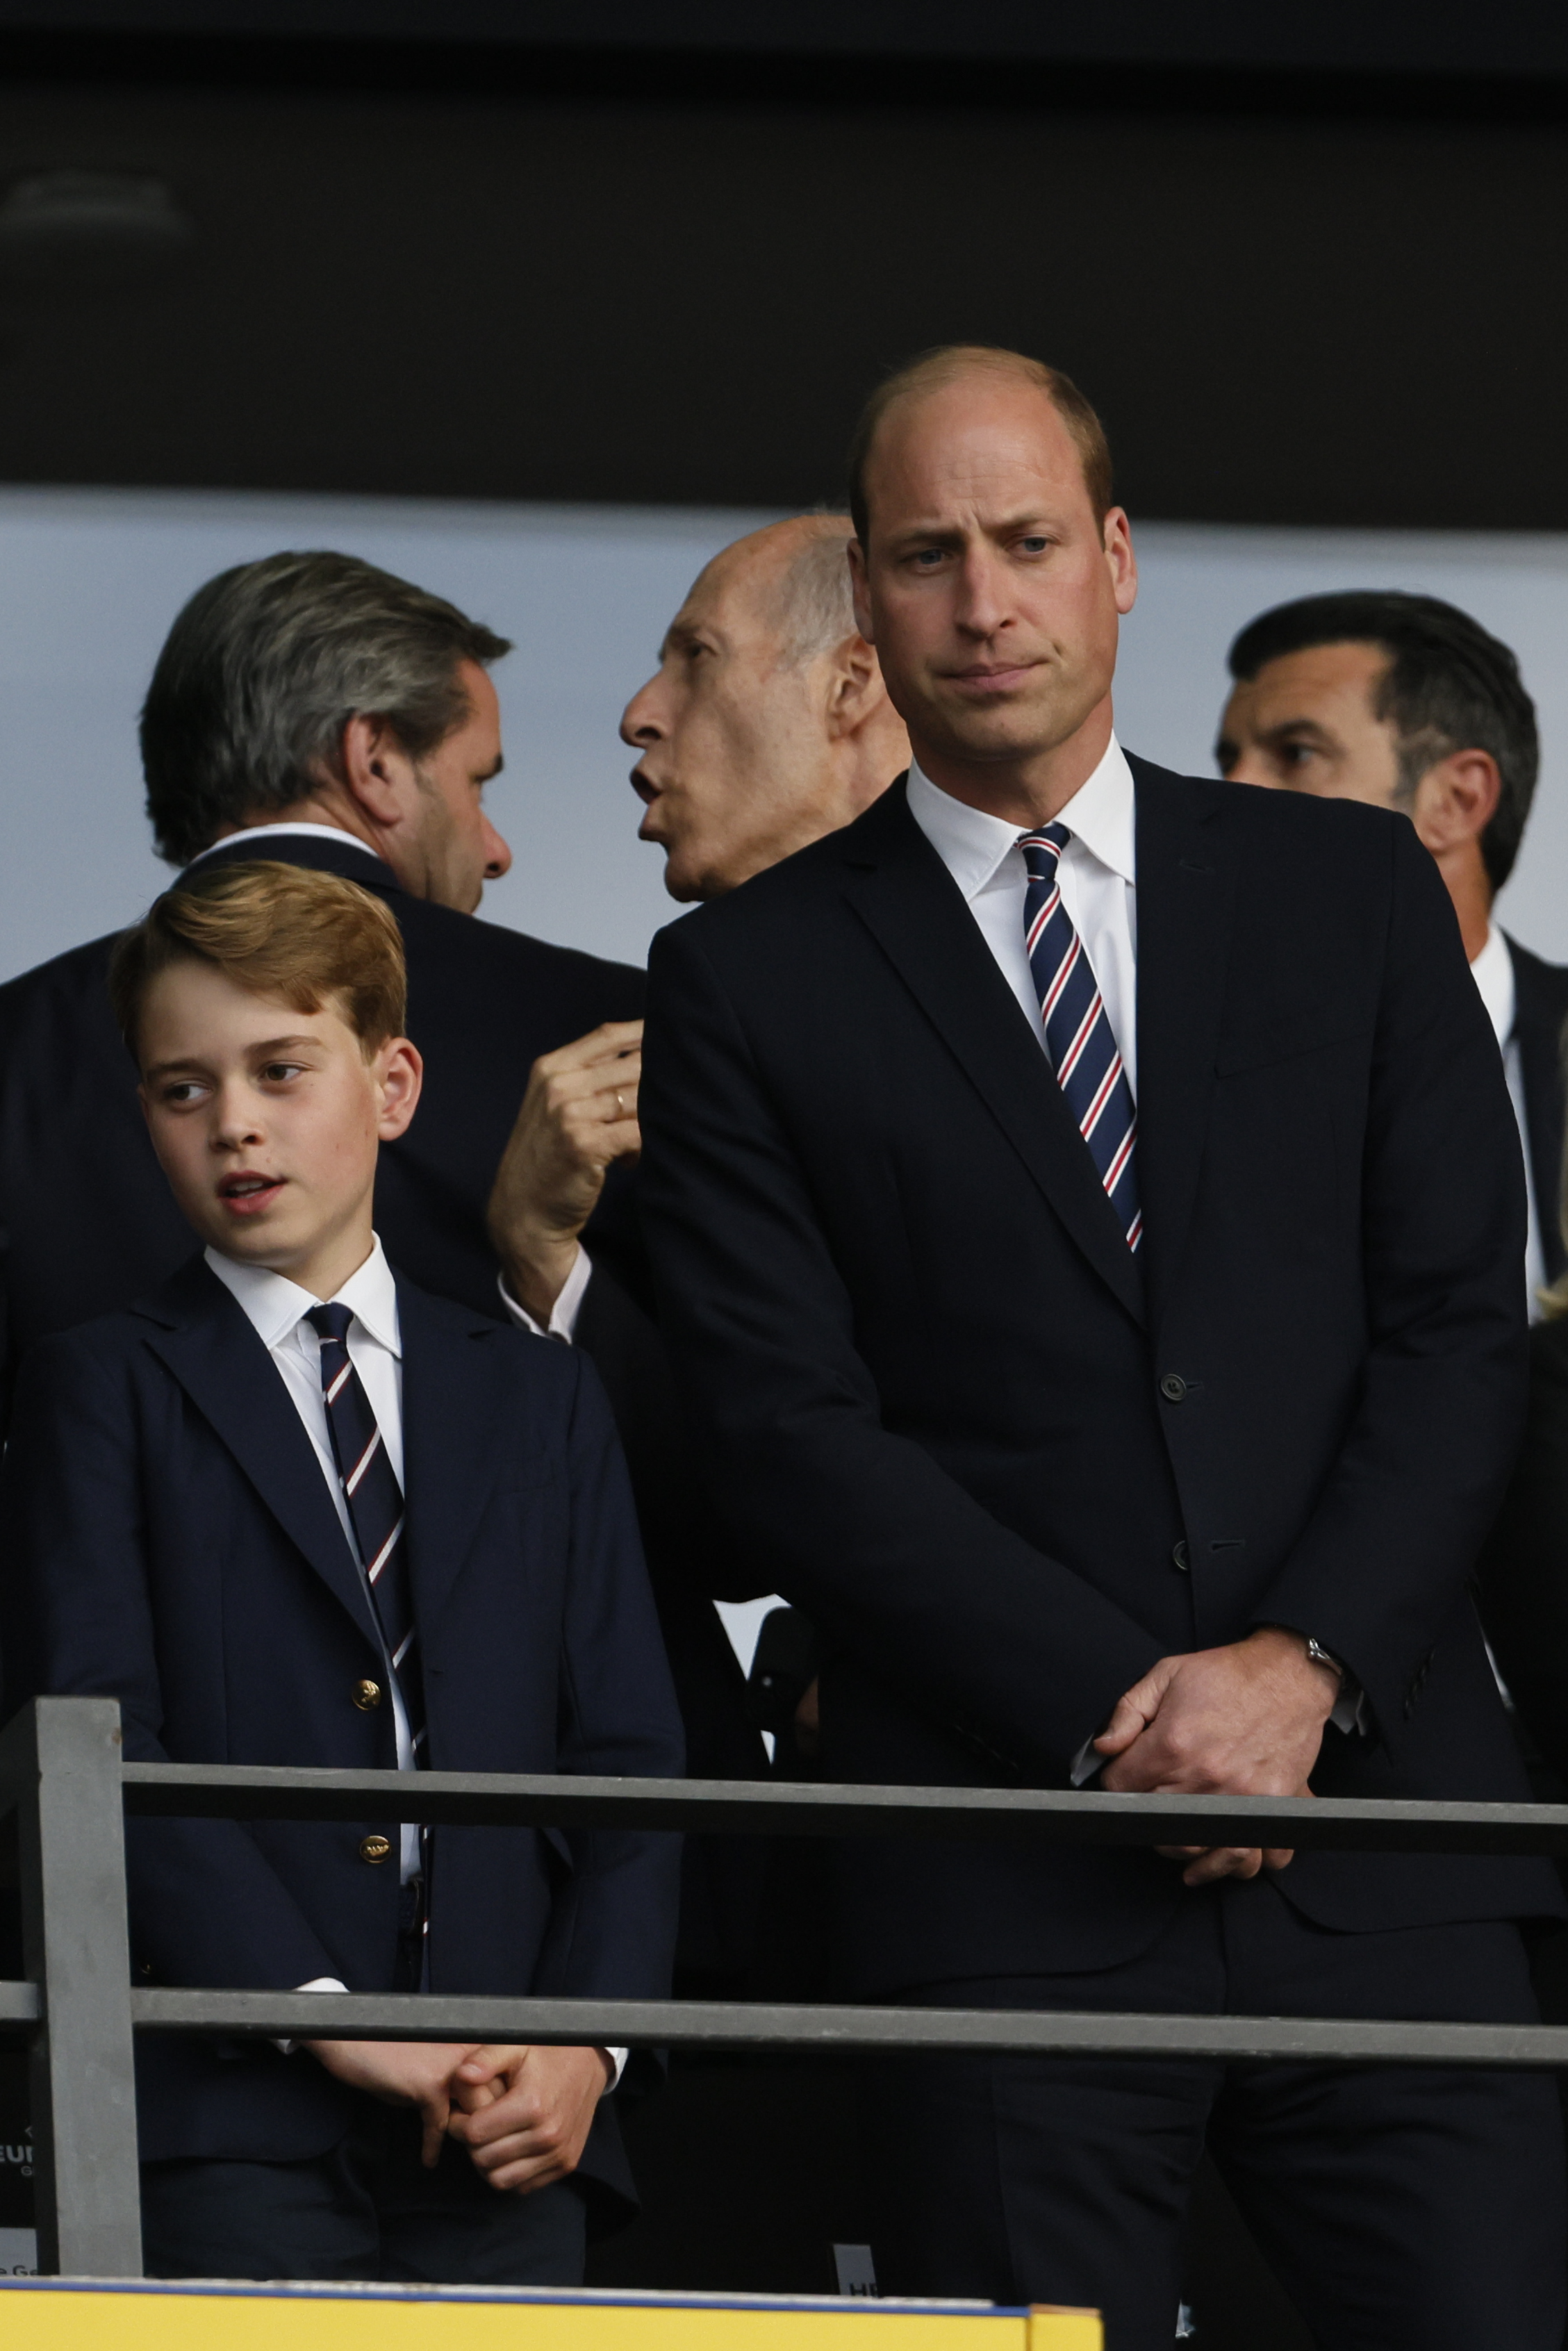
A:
65	2316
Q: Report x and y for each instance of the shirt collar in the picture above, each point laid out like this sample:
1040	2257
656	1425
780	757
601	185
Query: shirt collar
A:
270	833
275	1306
972	843
1492	971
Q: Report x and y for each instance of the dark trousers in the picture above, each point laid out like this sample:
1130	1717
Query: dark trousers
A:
367	2210
1403	2208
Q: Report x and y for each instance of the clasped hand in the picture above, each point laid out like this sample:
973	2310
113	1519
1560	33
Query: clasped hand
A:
522	2113
1244	1720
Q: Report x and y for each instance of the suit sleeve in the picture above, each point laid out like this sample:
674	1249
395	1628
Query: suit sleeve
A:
1383	1560
860	1527
76	1620
614	1929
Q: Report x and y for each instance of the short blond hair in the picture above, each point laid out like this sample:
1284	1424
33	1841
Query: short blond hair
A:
946	364
275	930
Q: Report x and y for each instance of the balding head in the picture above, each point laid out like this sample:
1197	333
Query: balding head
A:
793	577
767	724
935	371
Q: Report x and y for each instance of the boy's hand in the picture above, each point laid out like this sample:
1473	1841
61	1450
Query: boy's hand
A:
401	2073
524	2114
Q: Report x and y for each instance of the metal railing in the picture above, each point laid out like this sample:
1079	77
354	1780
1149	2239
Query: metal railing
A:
61	1772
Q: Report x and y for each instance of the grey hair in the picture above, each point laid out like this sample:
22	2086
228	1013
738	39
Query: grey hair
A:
265	667
813	609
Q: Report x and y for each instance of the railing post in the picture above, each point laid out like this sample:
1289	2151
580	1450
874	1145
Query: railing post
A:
62	1757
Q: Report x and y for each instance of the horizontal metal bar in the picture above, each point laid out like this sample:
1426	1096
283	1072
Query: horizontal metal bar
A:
721	2024
20	2003
775	1808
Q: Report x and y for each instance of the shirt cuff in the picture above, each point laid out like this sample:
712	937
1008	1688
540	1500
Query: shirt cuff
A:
1085	1764
317	1983
1350	1707
330	1983
562	1323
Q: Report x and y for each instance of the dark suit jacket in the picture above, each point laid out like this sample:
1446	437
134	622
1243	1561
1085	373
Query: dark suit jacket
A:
1540	1008
169	1539
88	1224
1005	1466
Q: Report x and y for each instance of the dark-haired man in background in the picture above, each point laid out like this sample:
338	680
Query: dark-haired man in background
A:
1407	703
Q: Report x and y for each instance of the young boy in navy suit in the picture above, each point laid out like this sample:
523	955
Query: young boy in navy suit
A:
291	1509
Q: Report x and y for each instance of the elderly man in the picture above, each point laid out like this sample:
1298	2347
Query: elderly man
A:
1407	703
767	723
765	726
1085	1208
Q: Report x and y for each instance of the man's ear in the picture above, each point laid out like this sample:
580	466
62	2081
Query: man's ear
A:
373	769
1455	800
855	690
1116	533
860	591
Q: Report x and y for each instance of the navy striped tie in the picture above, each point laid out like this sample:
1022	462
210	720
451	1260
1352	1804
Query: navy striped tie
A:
375	1507
1083	1050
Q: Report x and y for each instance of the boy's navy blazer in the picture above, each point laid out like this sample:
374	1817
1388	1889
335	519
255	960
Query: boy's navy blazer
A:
170	1541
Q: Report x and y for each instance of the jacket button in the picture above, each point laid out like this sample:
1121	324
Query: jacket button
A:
375	1848
1181	1557
1173	1387
367	1695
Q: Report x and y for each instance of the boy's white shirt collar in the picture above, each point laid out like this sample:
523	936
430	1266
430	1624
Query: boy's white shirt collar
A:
275	1306
972	843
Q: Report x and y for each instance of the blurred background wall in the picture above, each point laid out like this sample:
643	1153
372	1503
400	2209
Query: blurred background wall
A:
541	302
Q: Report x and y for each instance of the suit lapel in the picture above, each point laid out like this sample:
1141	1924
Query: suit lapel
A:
1185	899
455	1440
213	1352
909	902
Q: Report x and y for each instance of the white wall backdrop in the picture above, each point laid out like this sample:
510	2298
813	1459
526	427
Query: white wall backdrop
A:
89	581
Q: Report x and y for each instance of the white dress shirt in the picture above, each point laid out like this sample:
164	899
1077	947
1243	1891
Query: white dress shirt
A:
1098	872
562	1323
277	1309
1492	971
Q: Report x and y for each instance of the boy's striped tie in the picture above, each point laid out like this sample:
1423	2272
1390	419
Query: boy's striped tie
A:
375	1507
1078	1037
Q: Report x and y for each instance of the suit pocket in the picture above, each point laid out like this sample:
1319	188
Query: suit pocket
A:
1313	1030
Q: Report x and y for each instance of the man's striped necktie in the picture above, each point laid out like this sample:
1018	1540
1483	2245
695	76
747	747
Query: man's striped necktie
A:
375	1507
1083	1050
